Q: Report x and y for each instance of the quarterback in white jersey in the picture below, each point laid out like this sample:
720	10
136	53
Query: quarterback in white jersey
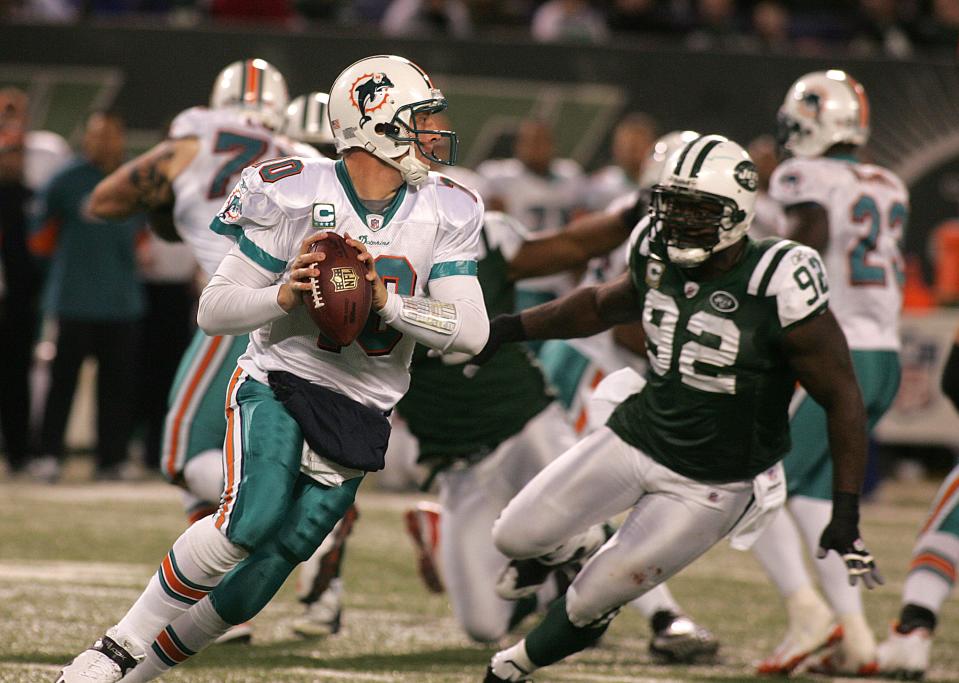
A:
301	434
854	215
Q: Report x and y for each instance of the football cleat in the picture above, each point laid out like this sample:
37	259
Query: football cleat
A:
106	661
905	656
522	578
853	655
239	634
423	526
804	640
682	641
323	617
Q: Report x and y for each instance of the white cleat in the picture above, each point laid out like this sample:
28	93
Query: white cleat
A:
322	617
811	632
905	656
107	661
854	655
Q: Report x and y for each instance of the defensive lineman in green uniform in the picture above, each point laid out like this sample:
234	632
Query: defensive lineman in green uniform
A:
731	324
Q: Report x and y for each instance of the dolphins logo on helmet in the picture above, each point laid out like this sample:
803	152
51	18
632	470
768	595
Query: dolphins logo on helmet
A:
370	95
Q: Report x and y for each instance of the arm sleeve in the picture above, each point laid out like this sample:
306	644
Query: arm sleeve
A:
456	303
240	297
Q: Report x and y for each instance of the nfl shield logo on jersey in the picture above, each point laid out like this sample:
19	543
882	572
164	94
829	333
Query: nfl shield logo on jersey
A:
374	221
690	289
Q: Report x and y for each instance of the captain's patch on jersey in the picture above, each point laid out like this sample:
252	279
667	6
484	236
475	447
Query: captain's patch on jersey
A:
324	216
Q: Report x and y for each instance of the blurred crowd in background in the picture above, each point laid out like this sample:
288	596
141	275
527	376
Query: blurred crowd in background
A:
893	28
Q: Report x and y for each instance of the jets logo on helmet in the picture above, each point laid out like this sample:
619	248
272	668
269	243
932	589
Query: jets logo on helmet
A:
705	202
384	105
254	86
822	109
369	93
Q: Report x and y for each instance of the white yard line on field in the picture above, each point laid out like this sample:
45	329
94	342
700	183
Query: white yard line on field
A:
95	573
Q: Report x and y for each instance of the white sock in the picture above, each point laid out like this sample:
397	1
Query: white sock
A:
512	663
188	634
812	515
192	568
656	600
779	550
932	571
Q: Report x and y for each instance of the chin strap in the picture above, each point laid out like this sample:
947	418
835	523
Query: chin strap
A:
414	171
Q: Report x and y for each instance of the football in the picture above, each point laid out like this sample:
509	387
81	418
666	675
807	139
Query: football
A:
339	299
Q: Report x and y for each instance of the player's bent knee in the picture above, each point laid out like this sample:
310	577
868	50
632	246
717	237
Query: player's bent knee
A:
584	612
485	630
213	552
513	540
203	475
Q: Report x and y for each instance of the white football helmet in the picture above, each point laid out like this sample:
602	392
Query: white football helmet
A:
706	199
254	86
663	148
822	109
306	119
373	105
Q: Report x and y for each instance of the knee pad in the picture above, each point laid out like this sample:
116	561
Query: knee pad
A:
203	475
213	552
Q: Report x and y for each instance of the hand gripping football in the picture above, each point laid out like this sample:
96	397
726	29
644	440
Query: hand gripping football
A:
339	299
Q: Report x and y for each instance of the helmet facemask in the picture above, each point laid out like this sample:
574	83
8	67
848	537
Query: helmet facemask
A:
404	130
695	224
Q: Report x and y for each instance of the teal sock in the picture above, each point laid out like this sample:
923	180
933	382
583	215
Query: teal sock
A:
555	637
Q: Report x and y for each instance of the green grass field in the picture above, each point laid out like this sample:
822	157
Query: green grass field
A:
73	557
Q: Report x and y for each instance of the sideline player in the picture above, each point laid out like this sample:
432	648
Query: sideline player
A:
730	325
186	178
282	496
906	651
853	214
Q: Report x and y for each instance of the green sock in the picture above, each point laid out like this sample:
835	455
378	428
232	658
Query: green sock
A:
555	637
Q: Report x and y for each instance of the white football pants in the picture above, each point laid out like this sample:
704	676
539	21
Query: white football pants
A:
673	520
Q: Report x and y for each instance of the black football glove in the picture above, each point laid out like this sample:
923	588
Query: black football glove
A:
842	535
502	330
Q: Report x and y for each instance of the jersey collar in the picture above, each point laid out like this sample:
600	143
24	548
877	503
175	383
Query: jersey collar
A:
344	177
